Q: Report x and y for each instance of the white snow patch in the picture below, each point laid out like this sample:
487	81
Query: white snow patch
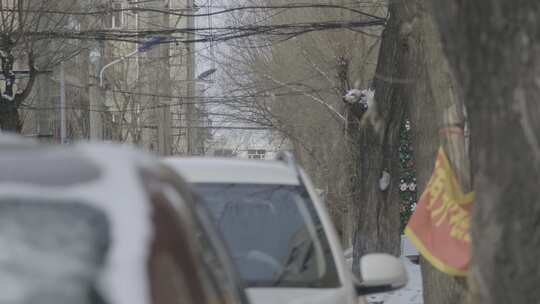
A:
384	181
8	140
353	96
8	97
364	97
119	194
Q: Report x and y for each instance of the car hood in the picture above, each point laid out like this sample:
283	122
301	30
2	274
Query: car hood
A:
267	295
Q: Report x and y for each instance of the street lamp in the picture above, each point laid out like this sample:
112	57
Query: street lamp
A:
145	46
201	78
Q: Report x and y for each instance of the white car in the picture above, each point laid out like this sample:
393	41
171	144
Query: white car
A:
95	224
280	234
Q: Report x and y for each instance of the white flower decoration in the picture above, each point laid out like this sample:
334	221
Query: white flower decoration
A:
403	187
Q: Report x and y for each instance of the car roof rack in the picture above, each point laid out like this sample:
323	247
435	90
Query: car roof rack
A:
288	158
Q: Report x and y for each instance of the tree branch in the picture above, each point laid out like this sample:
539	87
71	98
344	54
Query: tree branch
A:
313	97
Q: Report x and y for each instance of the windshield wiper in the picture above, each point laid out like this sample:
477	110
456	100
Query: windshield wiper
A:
293	257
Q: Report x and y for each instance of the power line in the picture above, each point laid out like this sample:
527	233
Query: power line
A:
180	12
225	33
213	127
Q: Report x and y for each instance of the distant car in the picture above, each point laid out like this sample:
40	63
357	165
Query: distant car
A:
102	224
280	234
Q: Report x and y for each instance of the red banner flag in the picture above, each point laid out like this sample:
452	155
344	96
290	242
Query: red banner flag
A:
440	224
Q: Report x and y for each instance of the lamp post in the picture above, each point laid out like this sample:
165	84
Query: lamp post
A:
98	92
62	104
192	136
95	93
145	46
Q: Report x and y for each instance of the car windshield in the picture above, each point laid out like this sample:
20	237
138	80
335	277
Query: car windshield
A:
274	233
51	252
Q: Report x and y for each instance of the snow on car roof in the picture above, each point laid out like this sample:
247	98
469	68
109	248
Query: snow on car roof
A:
10	140
46	167
231	170
119	193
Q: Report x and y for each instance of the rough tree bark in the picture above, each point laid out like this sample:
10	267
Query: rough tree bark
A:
435	106
413	78
493	47
377	212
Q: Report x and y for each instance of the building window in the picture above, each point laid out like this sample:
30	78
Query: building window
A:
115	17
256	154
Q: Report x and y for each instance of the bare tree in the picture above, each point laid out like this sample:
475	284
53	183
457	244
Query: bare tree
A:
377	208
297	87
36	35
20	49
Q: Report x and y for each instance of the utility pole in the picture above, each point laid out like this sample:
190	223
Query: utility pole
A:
190	89
155	79
163	113
44	100
62	104
95	92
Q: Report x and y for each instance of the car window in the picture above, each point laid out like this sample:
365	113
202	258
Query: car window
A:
52	251
217	270
274	233
215	261
210	283
174	271
195	253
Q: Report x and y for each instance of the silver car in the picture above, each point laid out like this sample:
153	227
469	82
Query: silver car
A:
280	234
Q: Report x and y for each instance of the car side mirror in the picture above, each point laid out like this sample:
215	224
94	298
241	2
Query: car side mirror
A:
380	273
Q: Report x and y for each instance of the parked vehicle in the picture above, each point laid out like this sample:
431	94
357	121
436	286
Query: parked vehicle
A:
280	234
104	224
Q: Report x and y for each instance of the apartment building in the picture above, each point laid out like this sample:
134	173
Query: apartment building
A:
113	90
148	92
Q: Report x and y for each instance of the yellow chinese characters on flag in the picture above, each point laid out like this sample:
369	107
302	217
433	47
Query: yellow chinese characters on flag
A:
439	226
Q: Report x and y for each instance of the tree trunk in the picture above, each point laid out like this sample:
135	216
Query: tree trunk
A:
412	74
493	46
9	116
377	212
434	107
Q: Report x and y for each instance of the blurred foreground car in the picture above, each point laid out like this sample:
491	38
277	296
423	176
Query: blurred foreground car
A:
103	224
280	234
